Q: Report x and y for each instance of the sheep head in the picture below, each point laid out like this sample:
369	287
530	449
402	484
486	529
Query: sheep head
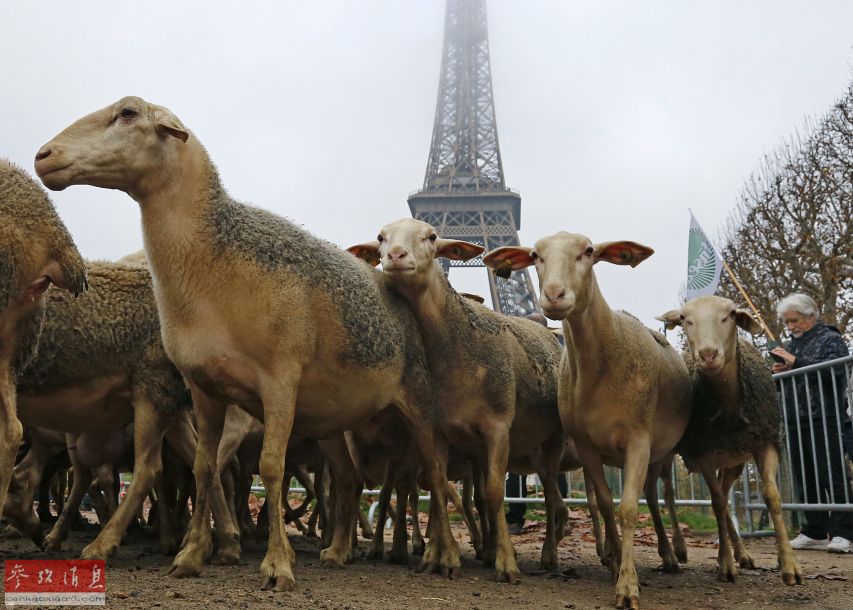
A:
564	263
122	146
407	250
710	323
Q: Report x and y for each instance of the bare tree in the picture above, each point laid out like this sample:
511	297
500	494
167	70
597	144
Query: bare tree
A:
791	230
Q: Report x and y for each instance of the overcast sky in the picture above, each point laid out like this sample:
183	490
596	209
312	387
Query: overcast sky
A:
613	117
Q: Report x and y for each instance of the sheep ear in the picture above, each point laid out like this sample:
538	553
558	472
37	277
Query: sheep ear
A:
671	319
747	321
168	123
622	252
457	250
507	259
473	297
368	252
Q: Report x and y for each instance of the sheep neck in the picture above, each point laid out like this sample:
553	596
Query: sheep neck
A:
173	210
588	331
725	385
444	324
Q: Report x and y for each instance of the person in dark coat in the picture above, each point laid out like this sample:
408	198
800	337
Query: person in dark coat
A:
816	415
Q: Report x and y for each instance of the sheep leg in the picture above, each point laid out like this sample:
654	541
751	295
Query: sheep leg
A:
497	455
320	505
243	487
595	517
377	546
636	466
678	543
81	481
279	405
170	538
727	569
767	459
226	477
742	557
11	430
468	510
185	440
148	434
198	541
442	552
301	473
487	554
25	480
594	472
99	503
346	493
555	508
105	479
57	489
670	561
400	544
418	544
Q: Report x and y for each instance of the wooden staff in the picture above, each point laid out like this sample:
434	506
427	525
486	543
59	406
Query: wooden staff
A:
748	300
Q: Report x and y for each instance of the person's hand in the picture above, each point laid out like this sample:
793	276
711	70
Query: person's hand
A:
787	356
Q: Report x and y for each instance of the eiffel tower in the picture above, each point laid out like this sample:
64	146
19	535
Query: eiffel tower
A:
464	195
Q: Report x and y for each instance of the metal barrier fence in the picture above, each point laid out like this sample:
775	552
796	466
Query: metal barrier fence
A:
815	470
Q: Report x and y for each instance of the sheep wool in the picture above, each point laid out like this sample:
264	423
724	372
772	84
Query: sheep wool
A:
29	223
112	329
279	247
736	428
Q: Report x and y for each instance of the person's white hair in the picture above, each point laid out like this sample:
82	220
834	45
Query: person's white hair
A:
801	303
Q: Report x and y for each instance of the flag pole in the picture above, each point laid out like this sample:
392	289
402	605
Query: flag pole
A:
748	300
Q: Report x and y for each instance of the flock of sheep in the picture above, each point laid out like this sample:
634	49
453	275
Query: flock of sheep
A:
359	375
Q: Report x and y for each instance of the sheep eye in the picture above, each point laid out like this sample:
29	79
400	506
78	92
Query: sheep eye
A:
534	256
128	113
380	239
433	237
588	251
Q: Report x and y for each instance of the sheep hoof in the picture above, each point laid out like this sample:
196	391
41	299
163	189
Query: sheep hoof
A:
632	602
792	578
182	571
279	583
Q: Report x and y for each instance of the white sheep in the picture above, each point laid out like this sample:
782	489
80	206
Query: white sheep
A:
496	379
624	392
256	311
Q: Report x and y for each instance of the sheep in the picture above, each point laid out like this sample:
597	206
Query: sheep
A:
36	250
230	280
100	366
495	377
735	416
624	392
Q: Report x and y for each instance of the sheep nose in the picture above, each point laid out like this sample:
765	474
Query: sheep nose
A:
396	255
709	354
554	293
43	153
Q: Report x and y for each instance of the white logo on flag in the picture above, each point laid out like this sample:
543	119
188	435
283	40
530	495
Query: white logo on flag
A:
703	264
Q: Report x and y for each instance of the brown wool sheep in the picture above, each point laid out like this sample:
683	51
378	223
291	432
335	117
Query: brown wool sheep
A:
735	417
35	251
101	366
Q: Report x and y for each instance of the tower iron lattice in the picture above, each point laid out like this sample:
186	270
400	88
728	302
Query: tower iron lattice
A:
464	195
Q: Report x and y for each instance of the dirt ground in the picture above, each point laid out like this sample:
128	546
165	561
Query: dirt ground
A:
136	578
